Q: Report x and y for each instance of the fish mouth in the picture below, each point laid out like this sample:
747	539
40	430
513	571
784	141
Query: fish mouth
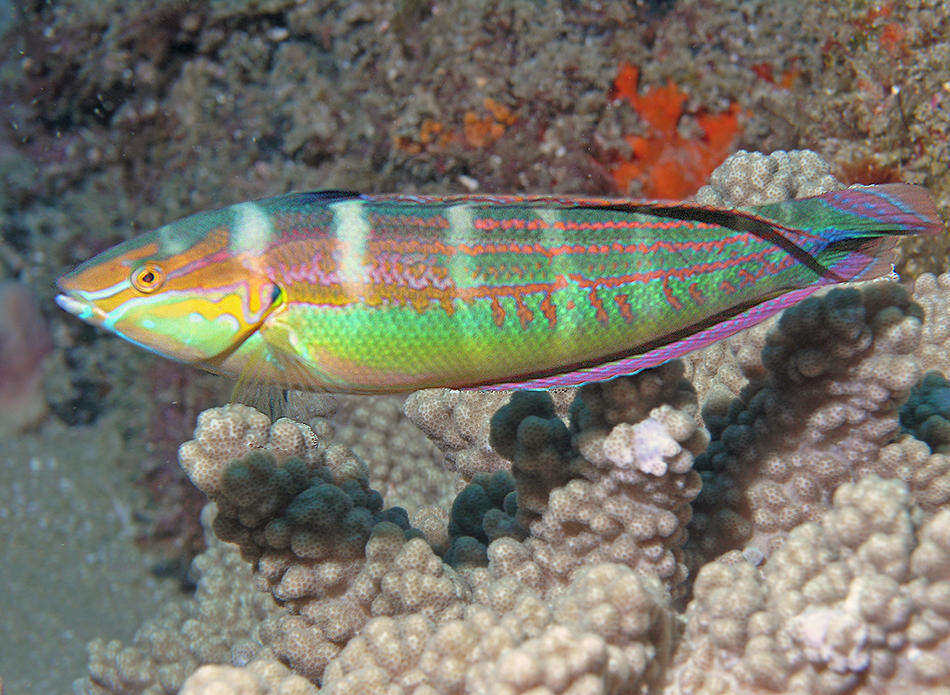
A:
80	308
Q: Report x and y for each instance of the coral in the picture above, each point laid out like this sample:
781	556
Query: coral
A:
635	439
24	342
484	510
581	598
815	418
664	163
932	293
753	178
260	677
854	601
404	465
365	599
616	488
218	624
132	114
927	409
528	432
458	422
302	513
926	474
608	631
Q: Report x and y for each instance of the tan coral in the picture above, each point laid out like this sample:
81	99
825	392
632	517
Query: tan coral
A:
217	625
517	643
397	577
404	465
229	432
301	510
837	366
261	677
852	602
719	371
628	501
752	178
433	521
457	421
927	475
932	293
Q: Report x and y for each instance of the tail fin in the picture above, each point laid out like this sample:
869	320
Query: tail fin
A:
853	232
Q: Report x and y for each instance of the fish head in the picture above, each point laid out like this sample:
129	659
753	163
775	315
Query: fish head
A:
193	291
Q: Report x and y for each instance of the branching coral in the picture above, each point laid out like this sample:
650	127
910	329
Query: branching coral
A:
932	293
370	603
630	478
458	422
261	677
484	510
752	178
301	510
837	367
218	625
608	631
855	601
404	465
926	413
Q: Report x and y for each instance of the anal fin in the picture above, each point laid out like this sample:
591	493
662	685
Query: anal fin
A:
664	353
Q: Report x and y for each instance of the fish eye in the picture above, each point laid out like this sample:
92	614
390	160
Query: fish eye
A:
147	278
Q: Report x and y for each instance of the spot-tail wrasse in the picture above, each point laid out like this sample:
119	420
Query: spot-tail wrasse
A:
343	292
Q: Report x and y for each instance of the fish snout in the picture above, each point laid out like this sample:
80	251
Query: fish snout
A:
72	300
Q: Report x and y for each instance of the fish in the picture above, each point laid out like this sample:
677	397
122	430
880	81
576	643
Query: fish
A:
345	292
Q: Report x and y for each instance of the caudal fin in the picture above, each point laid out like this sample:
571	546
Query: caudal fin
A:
853	232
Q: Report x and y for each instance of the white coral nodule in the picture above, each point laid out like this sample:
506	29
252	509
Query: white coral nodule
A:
646	446
834	637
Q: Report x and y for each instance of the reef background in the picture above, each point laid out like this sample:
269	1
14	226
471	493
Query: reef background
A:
119	116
